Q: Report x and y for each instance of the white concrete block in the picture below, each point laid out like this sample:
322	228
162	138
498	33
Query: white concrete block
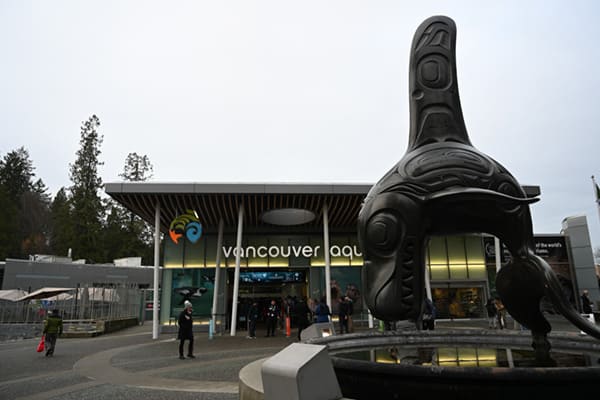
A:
318	330
300	372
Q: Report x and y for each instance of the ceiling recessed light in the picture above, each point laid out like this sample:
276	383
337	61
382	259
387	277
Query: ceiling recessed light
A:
288	216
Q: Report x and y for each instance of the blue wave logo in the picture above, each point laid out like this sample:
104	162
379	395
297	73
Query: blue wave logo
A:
186	224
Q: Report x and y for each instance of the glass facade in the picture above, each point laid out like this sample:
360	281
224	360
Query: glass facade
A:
456	267
456	258
458	276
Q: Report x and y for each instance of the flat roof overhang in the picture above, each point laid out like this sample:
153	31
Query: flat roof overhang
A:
213	201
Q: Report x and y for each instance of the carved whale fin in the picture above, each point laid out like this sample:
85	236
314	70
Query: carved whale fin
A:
435	111
555	293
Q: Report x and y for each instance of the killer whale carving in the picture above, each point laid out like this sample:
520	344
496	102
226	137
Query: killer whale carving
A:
443	186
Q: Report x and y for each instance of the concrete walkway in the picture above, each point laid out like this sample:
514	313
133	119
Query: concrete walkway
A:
131	365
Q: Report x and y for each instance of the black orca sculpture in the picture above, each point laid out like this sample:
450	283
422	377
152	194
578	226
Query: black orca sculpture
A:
443	186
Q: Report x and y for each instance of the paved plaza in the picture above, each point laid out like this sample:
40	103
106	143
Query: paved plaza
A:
131	365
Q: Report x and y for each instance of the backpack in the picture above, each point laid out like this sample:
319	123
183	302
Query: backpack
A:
322	310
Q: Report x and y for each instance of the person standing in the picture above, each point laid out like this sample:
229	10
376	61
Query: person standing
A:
343	316
429	315
53	326
186	332
350	312
500	313
322	311
490	306
272	313
252	318
586	303
302	315
312	306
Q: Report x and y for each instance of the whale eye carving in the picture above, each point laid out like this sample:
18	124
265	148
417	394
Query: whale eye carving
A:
383	232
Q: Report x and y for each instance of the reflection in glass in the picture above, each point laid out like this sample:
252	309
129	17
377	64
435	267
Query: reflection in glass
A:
469	356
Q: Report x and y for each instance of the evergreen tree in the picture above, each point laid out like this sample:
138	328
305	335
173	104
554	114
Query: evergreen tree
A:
16	173
87	209
8	225
35	219
116	237
137	168
127	235
24	207
61	236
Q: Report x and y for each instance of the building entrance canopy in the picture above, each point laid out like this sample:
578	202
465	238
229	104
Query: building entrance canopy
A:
215	201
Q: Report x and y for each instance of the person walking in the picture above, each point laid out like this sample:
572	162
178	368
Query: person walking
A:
53	326
186	332
252	318
272	314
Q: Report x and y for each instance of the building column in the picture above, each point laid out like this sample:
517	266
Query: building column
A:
427	282
217	274
498	251
327	255
156	269
236	279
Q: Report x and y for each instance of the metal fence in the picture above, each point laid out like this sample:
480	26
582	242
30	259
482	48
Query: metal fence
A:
85	303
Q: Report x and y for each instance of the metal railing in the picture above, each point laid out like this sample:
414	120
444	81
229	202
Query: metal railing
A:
86	303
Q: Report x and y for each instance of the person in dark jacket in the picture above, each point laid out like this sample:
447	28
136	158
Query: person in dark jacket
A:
53	326
186	332
302	315
272	314
252	317
343	315
586	303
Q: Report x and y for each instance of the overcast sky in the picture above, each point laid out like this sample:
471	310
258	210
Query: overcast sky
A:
304	91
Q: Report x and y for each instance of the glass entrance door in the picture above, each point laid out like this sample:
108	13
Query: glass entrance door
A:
454	301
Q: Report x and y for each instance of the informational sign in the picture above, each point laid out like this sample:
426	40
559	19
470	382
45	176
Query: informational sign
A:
296	251
551	248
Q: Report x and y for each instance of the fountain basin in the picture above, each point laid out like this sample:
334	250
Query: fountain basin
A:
422	364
